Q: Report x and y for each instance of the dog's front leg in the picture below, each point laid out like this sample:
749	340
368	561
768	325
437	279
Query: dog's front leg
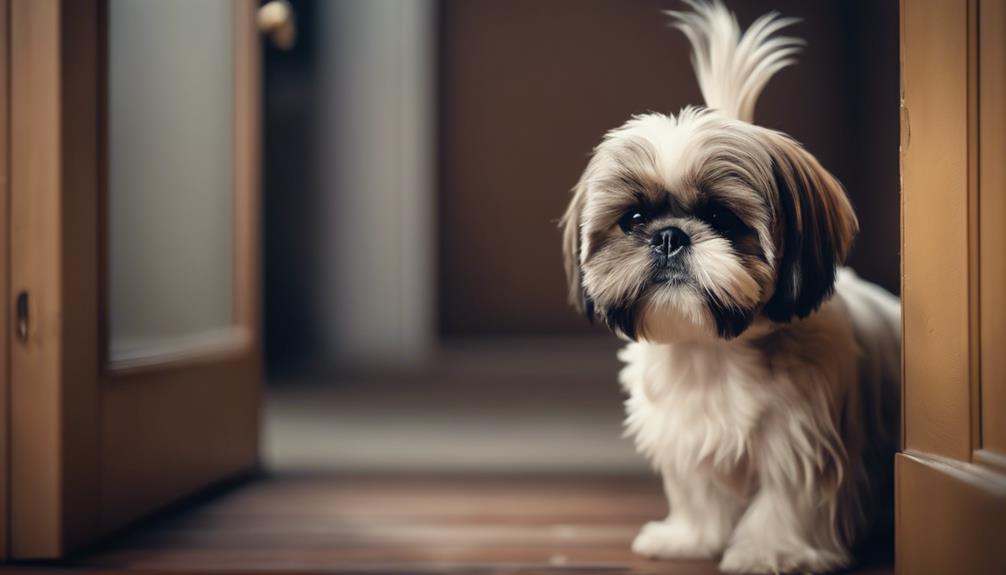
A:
702	516
785	529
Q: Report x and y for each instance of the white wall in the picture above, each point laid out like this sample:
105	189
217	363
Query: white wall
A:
377	150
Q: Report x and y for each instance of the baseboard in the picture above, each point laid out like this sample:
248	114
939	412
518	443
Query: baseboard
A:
951	517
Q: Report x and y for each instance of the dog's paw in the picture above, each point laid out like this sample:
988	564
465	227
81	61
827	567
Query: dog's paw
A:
748	557
670	539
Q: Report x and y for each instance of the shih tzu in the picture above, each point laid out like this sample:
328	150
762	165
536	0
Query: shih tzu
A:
761	376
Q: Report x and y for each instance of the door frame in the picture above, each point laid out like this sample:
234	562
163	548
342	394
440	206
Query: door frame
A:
54	458
951	487
95	445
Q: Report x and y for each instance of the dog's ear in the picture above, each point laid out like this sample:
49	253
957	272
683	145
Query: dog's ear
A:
570	224
816	226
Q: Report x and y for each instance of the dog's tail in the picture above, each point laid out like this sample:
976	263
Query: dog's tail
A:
732	68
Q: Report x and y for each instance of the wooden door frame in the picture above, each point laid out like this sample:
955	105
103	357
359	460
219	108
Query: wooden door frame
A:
77	421
54	260
951	490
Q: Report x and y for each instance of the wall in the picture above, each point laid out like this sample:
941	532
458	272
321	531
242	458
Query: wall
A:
529	87
376	120
349	186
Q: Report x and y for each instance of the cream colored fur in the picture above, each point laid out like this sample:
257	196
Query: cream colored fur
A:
758	464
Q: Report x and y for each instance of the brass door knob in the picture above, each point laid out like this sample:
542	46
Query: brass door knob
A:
277	20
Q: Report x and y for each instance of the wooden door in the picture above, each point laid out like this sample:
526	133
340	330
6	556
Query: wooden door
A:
135	374
951	477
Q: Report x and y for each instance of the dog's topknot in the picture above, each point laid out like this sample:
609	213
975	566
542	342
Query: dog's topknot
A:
733	68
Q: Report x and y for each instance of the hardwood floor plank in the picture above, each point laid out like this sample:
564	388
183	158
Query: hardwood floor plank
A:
403	525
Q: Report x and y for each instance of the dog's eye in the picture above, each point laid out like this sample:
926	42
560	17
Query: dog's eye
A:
722	219
632	220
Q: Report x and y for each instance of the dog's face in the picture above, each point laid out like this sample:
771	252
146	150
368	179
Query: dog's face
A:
694	226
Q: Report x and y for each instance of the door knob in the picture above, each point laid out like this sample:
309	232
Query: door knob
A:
276	19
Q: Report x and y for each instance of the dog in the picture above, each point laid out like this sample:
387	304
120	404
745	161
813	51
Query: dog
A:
762	376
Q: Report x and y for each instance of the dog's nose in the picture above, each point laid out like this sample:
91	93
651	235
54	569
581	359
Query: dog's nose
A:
669	241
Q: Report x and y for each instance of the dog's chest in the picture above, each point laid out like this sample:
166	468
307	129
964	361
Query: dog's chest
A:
692	406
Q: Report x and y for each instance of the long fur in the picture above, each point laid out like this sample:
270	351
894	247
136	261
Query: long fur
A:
775	450
733	68
762	377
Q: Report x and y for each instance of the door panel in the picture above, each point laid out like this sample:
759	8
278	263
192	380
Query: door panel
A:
168	432
102	434
170	176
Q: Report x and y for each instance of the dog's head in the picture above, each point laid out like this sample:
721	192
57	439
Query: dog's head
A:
697	224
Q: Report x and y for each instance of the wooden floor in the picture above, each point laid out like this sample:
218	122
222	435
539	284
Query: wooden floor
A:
399	525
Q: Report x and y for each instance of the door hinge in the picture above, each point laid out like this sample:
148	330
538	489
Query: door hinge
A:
21	325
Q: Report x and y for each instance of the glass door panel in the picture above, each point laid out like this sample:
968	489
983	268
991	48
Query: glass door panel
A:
170	177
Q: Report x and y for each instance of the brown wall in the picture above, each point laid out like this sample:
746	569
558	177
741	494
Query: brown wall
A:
529	86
